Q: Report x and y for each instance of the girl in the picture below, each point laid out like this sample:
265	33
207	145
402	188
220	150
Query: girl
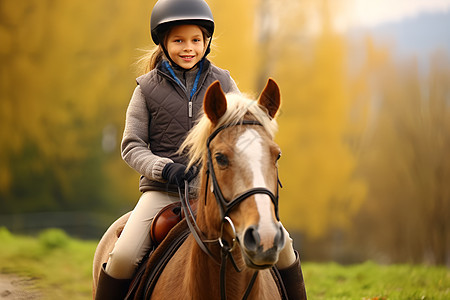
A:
163	108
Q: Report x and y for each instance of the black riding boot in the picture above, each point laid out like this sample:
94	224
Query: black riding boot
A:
293	280
109	288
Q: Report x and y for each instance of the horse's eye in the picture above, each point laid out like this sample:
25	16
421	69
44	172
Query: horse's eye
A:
222	160
279	156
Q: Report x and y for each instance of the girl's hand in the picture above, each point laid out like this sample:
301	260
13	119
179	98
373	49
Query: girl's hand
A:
175	173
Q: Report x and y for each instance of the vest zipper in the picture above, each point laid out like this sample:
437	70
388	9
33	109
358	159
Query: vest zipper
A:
190	107
194	92
195	87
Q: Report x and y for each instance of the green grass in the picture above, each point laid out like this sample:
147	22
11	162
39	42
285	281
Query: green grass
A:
61	265
62	269
372	281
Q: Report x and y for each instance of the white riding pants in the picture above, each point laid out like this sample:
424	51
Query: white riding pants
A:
134	242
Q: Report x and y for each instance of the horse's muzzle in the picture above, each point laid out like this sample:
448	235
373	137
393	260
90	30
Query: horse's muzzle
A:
261	253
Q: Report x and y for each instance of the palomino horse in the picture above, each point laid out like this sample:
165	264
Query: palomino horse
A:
237	211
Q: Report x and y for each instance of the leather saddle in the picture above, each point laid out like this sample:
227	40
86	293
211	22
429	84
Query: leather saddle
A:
166	219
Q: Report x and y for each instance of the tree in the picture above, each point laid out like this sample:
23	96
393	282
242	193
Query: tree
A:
320	193
402	158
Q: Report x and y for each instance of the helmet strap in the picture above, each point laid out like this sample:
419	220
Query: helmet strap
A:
166	53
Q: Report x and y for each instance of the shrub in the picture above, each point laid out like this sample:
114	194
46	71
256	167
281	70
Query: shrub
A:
53	238
5	235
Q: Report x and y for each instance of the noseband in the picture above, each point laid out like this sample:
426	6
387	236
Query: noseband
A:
225	208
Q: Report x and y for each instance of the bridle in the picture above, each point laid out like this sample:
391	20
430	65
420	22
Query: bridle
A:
225	208
224	205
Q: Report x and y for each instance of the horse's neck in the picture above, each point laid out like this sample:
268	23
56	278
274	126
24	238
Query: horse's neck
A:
206	270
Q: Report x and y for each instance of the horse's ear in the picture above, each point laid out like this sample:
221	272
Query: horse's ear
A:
270	97
215	103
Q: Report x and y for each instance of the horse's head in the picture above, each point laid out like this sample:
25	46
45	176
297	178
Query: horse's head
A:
241	170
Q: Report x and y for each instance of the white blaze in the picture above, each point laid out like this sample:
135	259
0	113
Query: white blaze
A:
250	149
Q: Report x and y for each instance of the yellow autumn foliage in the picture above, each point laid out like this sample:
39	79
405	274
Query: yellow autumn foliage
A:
364	139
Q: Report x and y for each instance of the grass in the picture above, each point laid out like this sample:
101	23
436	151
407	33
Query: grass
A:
372	281
62	269
62	266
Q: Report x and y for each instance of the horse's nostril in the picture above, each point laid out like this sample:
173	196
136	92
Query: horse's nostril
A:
279	239
252	238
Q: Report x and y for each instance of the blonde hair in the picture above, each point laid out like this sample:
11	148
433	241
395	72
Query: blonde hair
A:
238	107
150	59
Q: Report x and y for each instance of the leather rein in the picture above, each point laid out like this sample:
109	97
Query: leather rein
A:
225	208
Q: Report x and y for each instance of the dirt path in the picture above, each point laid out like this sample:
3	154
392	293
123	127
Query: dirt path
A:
13	287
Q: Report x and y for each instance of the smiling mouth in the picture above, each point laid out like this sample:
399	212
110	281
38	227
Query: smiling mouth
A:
187	58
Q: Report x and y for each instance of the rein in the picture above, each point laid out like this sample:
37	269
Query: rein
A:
225	208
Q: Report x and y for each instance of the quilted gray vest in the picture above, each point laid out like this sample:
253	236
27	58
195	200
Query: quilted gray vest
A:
172	113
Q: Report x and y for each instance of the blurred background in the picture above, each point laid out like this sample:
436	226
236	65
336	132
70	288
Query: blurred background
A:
364	124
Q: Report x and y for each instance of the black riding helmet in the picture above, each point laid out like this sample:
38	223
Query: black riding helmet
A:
167	13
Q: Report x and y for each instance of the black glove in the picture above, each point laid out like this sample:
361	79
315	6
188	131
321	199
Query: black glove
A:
175	173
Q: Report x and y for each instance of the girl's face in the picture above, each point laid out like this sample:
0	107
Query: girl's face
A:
186	45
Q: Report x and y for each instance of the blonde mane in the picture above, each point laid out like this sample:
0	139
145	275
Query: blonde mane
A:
238	106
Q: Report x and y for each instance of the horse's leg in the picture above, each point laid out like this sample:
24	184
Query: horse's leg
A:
105	246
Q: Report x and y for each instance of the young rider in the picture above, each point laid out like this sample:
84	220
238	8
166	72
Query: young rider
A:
163	108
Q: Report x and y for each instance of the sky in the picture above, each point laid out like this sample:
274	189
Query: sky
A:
415	27
371	13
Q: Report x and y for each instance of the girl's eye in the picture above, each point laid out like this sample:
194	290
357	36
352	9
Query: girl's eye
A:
222	160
